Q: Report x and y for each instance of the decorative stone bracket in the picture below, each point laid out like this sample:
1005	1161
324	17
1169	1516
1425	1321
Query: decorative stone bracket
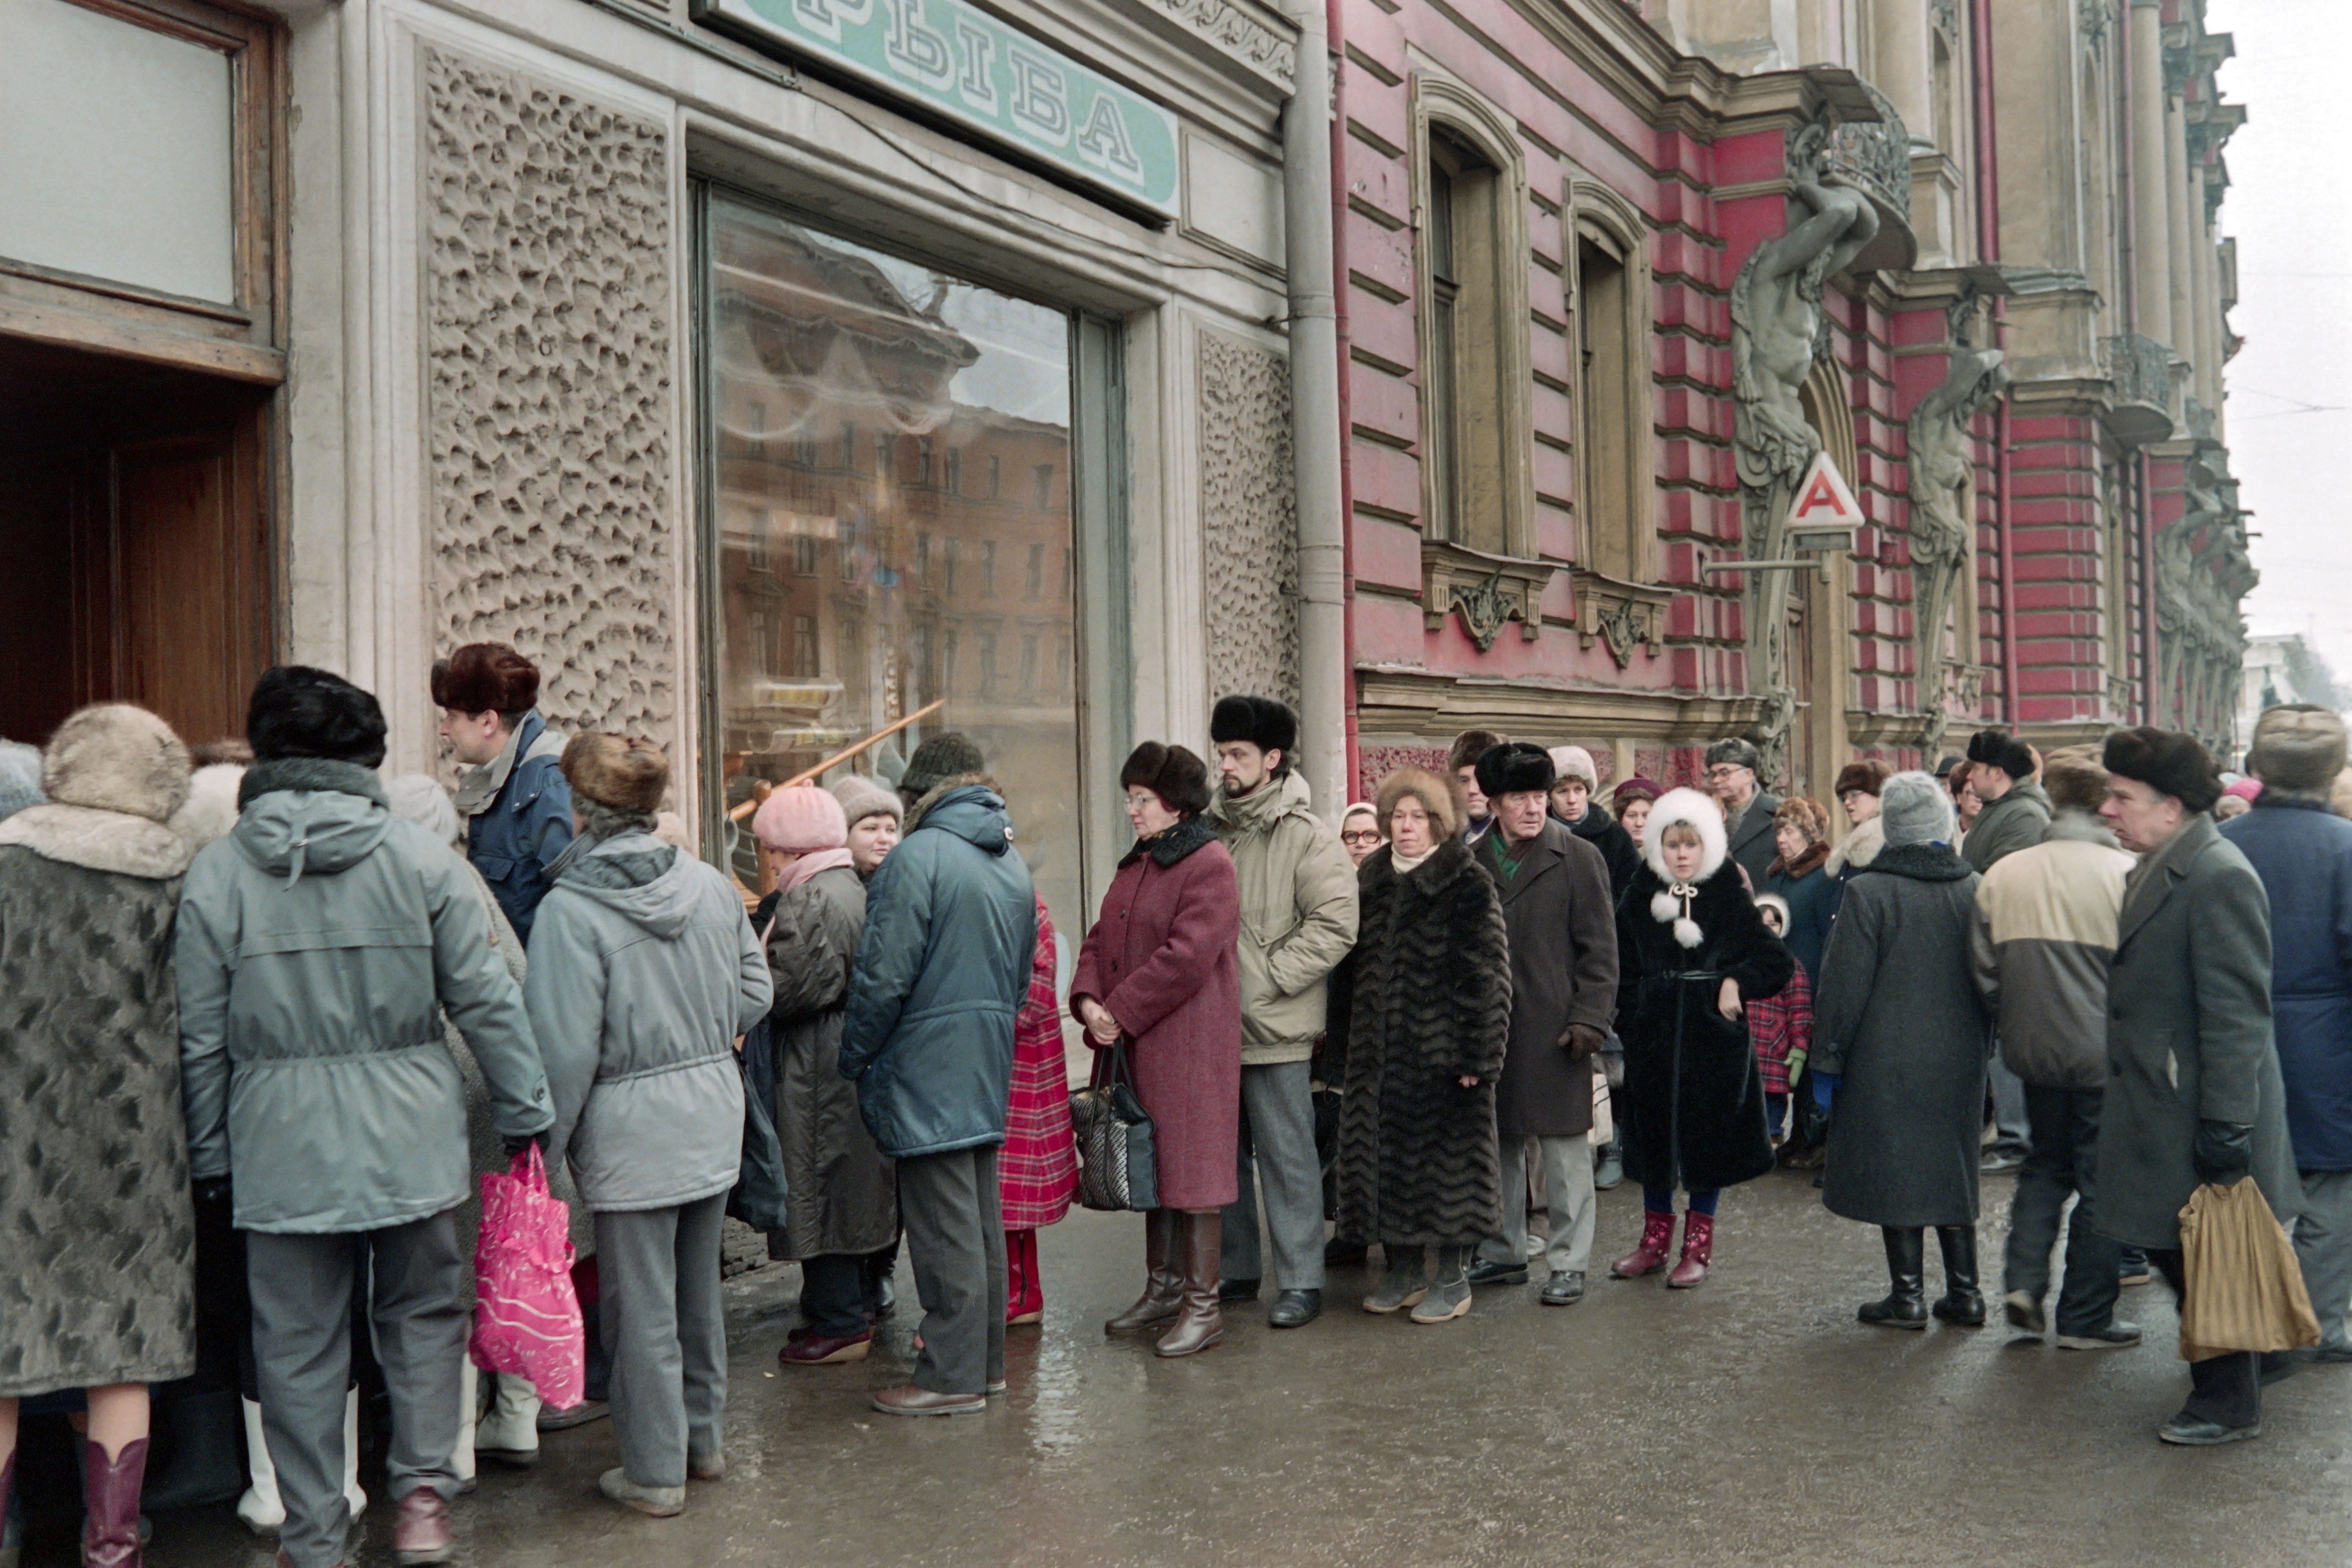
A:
1625	615
1488	589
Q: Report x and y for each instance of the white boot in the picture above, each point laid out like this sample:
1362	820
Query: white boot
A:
260	1508
351	1492
510	1433
461	1458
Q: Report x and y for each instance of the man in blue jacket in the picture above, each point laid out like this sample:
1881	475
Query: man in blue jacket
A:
513	795
942	967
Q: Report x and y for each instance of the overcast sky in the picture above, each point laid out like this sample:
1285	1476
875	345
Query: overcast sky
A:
2290	388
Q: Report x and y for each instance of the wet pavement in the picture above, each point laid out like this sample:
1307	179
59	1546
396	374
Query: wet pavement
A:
1752	1421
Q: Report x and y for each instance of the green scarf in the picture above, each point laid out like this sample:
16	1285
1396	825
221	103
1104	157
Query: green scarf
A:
1504	863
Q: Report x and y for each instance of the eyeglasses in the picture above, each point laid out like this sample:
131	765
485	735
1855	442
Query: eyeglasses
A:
1362	836
1723	772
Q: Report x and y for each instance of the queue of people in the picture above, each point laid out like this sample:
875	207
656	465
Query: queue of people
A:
323	1004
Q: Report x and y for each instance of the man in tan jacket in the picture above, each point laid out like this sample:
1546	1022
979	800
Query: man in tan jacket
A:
1299	921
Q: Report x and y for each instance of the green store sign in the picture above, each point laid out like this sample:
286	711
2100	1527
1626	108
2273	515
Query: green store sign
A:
965	65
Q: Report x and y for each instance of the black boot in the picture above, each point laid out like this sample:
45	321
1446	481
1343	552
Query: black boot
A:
1962	1302
202	1467
1907	1261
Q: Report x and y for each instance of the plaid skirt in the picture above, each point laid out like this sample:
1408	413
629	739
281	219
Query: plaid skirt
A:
1037	1168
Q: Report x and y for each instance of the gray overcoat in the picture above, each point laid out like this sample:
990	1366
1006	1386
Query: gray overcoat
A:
1563	937
1896	1012
2189	1036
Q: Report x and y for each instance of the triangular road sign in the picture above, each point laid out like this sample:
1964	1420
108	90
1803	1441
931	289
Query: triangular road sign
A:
1824	499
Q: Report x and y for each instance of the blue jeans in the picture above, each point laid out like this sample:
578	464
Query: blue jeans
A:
1661	1200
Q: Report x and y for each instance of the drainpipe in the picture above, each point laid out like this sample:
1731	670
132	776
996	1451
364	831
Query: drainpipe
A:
2141	481
1989	249
1315	417
1335	21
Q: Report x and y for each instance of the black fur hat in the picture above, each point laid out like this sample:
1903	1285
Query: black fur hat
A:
299	711
1514	767
2168	763
1264	721
1178	778
2003	750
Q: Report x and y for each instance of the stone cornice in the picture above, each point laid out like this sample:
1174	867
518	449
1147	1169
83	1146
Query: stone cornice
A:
1250	36
1396	700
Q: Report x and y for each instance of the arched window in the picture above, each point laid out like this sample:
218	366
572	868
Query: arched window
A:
1609	304
1471	264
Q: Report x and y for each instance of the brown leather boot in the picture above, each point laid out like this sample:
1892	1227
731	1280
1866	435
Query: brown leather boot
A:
1162	1283
109	1491
1202	1320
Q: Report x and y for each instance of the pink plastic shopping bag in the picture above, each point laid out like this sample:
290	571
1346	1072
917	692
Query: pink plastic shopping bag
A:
526	1317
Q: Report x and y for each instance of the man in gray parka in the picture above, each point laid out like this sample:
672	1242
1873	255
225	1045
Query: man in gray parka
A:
644	971
313	944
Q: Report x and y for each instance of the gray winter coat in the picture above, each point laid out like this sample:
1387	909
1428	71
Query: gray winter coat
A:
313	943
1752	844
644	971
2189	1036
1896	1012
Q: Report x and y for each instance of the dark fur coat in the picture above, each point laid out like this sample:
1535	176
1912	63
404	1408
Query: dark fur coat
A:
1423	1000
1693	1103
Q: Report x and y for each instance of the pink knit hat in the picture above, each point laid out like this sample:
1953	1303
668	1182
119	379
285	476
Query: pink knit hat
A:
801	821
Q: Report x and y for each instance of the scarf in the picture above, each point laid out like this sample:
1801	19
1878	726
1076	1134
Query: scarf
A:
478	787
1505	862
1172	843
1401	862
808	865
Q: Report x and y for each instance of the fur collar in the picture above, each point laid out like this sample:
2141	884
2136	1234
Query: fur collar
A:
1686	806
1857	849
1921	863
938	791
1679	906
1172	843
98	840
313	773
1812	860
2079	827
1451	859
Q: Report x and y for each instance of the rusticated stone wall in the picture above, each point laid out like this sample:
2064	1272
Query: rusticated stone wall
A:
547	321
1249	519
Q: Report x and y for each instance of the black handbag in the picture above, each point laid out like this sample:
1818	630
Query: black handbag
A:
1118	1169
759	1197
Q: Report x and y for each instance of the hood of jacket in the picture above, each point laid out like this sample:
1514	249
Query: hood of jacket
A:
1258	811
307	816
637	876
972	812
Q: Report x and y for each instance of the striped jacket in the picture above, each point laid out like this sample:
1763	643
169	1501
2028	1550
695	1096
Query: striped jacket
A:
2040	943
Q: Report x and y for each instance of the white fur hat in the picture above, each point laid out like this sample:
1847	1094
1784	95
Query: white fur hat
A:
1685	808
210	810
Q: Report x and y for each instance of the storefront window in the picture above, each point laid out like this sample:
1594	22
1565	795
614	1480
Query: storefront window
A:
859	577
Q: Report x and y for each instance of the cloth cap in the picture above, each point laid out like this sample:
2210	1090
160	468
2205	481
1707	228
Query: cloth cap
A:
1916	809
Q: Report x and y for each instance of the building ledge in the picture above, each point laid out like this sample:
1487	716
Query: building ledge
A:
1489	590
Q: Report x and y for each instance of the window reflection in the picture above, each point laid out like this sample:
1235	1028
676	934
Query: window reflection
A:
866	410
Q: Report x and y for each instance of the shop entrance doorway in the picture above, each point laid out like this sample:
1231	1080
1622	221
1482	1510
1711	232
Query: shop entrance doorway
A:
133	541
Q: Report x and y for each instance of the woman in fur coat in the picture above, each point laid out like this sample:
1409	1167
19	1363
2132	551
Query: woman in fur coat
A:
97	1231
1420	1015
1691	952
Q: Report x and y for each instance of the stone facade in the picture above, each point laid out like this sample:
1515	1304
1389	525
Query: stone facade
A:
1249	519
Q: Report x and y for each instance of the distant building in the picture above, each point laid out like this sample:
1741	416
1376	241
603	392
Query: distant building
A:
2281	667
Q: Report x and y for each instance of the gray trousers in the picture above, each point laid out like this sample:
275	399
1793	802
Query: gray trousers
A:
2323	1244
1566	1164
664	1334
1275	1151
2065	1160
2013	1129
301	1287
954	1227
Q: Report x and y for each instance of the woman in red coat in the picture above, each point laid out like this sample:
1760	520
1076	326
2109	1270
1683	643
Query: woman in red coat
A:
1036	1166
1158	972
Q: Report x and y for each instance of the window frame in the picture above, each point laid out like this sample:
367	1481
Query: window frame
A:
1624	548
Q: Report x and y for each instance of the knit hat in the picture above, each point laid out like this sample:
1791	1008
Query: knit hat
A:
1868	775
1178	777
299	712
2168	763
2247	790
1515	767
945	755
618	770
801	820
1264	721
415	797
20	777
486	678
2001	749
1574	763
2298	746
1916	809
861	797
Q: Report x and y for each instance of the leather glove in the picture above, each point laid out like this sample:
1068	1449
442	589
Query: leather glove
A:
2224	1150
515	1146
1580	1040
210	1189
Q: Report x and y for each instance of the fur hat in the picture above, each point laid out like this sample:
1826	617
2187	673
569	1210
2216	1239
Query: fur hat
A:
1683	808
802	820
618	770
299	712
1178	778
861	797
1468	747
1574	763
486	678
1262	722
1514	767
116	757
2001	749
1738	752
1632	789
1868	775
1441	798
948	754
1916	809
20	777
2298	746
1779	905
2075	780
2168	763
415	797
210	810
1809	816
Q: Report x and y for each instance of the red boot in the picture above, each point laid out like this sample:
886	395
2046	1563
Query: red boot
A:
109	1491
1657	1235
1025	1294
1699	1249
